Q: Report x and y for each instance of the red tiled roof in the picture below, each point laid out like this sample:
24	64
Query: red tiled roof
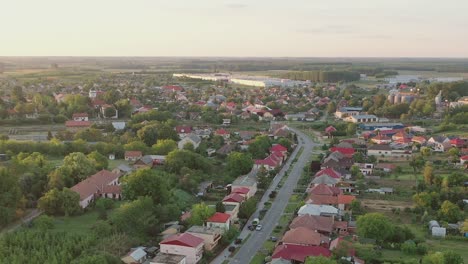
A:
71	123
345	199
304	236
313	222
344	151
114	189
222	131
134	153
219	218
80	115
330	172
278	147
457	142
464	157
299	253
322	199
183	129
241	190
94	183
330	129
184	240
323	189
233	197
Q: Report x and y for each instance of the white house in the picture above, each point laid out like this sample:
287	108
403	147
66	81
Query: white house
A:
184	244
439	143
102	184
362	119
219	220
190	138
319	210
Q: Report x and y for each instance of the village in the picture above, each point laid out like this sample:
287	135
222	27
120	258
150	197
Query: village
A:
184	169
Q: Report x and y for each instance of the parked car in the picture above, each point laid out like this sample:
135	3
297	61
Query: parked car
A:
258	228
273	239
251	227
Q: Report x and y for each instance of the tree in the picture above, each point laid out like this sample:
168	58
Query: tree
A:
164	146
259	148
10	195
428	174
356	207
454	153
55	202
331	107
358	157
43	222
136	217
319	260
79	165
189	147
451	257
148	134
425	151
99	160
375	225
450	212
434	258
417	163
200	212
248	208
146	182
239	163
220	208
351	129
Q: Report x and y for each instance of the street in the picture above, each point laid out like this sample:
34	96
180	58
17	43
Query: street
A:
248	250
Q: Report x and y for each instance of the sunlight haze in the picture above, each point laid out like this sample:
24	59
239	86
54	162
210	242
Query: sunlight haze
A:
315	28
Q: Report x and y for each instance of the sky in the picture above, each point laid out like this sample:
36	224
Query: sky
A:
235	28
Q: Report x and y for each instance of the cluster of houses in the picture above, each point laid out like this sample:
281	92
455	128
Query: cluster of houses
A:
188	247
319	226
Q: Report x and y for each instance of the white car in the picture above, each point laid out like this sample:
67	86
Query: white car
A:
258	228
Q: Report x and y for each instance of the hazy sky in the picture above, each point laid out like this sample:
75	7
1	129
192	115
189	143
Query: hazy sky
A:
314	28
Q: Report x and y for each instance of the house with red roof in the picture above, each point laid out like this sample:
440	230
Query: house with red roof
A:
457	142
184	244
243	191
183	131
329	130
347	152
323	189
330	172
381	139
133	155
269	163
219	220
223	133
305	237
233	198
102	184
75	126
463	159
80	117
321	224
279	148
299	253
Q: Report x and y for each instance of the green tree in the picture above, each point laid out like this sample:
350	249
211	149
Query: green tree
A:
146	182
248	208
136	217
164	146
450	212
99	160
55	202
425	151
239	163
319	260
10	195
434	258
220	207
79	165
375	225
200	212
428	174
351	129
331	107
451	257
148	134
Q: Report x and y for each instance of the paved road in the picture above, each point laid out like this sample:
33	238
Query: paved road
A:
273	215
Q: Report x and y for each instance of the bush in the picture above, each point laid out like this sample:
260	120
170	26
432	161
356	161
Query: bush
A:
409	247
421	249
44	222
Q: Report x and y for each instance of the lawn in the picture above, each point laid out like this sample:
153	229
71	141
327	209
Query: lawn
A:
78	224
259	258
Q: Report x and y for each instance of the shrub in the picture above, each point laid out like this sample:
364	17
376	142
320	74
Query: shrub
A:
409	247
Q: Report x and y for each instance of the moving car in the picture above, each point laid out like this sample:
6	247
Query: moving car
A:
258	228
